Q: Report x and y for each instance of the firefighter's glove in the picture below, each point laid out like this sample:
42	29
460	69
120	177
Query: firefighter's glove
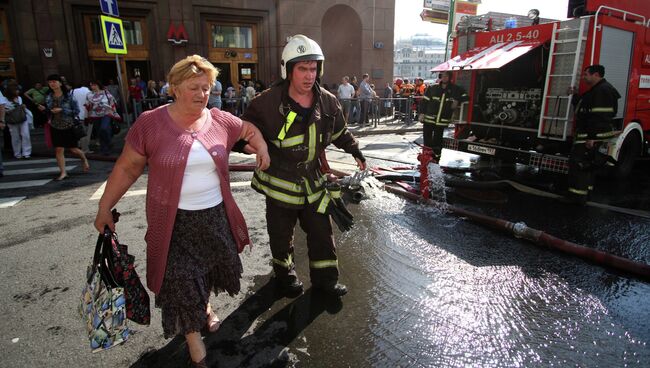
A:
336	208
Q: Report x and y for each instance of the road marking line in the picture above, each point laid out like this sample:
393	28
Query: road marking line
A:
32	161
42	170
24	184
133	193
10	201
240	184
98	193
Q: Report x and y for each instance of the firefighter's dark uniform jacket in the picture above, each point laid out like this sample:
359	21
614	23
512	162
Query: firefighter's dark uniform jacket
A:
595	111
294	185
295	143
439	101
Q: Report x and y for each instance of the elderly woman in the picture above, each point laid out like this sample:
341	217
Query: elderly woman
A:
63	110
186	147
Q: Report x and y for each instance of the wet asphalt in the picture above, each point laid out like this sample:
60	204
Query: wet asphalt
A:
427	289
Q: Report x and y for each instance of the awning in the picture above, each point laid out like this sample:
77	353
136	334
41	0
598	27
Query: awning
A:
492	57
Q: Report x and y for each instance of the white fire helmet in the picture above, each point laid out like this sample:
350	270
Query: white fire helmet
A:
301	48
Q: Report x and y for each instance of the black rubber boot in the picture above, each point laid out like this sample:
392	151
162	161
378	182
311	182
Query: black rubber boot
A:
289	286
337	290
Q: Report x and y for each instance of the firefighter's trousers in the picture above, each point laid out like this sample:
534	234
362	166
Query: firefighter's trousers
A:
433	136
323	264
582	166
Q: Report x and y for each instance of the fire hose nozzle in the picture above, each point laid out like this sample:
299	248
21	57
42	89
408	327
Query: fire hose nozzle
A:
357	196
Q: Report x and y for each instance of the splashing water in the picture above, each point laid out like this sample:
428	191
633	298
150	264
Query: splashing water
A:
436	182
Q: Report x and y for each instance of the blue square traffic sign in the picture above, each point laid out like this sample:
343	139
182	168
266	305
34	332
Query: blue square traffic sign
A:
113	32
109	7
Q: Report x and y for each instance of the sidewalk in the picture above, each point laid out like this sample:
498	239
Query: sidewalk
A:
40	149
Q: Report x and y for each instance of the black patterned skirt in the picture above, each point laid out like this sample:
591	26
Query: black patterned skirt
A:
202	258
63	138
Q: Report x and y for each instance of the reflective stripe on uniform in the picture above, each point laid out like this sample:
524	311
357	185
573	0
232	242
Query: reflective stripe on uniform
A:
442	104
289	142
291	116
322	207
426	98
324	264
429	119
578	191
286	263
336	135
312	143
607	134
602	109
285	197
280	183
282	197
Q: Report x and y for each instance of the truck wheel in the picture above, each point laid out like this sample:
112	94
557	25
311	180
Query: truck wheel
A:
630	151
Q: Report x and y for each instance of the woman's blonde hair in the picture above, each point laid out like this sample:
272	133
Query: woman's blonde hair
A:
190	67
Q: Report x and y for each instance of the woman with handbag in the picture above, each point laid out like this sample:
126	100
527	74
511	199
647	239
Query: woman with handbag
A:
102	109
62	110
16	118
195	229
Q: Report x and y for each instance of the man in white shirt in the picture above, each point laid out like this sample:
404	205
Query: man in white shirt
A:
79	94
345	93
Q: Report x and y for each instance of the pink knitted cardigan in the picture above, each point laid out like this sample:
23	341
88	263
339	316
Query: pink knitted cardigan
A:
166	147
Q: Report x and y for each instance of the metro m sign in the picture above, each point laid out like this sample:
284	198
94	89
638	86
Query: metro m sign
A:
646	59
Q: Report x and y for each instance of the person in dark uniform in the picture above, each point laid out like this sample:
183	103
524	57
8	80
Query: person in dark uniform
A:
439	102
298	119
594	111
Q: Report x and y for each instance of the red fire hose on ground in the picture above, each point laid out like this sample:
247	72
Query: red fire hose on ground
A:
520	230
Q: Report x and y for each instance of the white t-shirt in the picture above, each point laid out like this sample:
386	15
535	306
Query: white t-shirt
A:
3	99
79	95
346	92
201	184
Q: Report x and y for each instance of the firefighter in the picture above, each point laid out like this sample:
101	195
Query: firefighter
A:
595	111
440	100
298	119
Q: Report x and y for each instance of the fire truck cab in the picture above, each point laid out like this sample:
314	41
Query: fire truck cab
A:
518	81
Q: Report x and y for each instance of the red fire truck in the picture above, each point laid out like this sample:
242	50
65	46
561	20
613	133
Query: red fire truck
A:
518	79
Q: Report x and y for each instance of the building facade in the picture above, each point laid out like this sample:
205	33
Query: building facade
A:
415	57
243	38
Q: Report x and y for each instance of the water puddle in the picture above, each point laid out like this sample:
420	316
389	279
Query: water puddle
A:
430	290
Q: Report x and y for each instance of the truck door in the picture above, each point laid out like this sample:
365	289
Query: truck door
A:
616	57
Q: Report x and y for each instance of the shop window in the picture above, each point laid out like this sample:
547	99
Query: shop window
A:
133	32
238	37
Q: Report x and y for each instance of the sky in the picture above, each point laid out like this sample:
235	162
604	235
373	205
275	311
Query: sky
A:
408	21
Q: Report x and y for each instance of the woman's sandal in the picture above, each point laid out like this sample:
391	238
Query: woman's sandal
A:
61	177
201	364
86	166
213	322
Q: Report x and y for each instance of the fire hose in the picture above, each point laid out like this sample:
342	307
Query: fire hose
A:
520	230
538	237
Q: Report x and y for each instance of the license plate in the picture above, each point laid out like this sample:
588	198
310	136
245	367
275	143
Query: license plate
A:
481	149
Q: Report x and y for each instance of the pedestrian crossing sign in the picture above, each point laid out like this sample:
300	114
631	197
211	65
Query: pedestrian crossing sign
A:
113	32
